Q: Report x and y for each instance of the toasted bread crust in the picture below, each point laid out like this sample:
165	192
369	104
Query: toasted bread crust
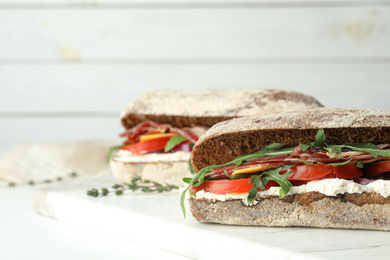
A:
208	107
313	209
227	140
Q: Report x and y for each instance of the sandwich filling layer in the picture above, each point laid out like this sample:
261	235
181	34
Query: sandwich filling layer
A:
276	170
328	187
150	141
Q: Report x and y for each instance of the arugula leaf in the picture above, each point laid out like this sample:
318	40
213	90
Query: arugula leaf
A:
112	150
304	147
359	164
257	184
190	165
274	174
320	139
340	163
173	141
200	174
187	180
333	149
367	147
260	181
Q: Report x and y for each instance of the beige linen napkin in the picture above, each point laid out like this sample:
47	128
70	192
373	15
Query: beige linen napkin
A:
38	163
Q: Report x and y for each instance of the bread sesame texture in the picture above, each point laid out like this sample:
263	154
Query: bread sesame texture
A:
313	209
229	139
210	106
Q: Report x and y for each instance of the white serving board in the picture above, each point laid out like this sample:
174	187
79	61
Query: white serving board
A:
156	220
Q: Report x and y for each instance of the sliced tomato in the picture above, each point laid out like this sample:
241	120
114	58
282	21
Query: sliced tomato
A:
375	169
323	171
147	146
228	186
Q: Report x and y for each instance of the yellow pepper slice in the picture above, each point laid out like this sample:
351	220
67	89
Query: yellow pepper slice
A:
144	138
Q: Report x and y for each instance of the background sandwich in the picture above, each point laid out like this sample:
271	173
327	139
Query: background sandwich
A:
324	167
161	127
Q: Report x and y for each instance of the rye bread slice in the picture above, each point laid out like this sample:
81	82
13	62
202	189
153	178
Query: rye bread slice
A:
229	139
210	106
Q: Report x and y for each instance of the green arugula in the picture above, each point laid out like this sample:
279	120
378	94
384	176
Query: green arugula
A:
270	150
173	141
320	143
112	150
359	164
367	147
260	180
190	165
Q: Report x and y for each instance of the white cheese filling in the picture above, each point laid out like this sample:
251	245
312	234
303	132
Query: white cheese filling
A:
328	187
126	156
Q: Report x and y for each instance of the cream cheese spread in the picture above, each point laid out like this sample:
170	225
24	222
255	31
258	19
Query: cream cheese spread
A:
329	187
125	156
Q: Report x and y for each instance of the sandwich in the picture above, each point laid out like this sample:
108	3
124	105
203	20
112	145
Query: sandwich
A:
162	126
321	167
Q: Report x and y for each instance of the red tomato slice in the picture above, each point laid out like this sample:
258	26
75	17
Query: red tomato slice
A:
323	171
147	146
348	171
225	186
373	170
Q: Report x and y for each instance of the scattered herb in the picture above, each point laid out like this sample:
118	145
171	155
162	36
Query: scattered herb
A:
135	185
47	181
104	191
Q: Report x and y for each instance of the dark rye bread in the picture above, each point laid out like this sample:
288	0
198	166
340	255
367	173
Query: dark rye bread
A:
227	140
313	209
210	106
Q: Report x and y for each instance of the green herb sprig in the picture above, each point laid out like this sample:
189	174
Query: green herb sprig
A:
137	184
56	179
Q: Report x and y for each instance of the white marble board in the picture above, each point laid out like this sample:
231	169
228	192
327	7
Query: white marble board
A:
156	220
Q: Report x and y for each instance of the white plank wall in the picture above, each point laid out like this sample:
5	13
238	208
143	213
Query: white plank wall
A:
68	67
